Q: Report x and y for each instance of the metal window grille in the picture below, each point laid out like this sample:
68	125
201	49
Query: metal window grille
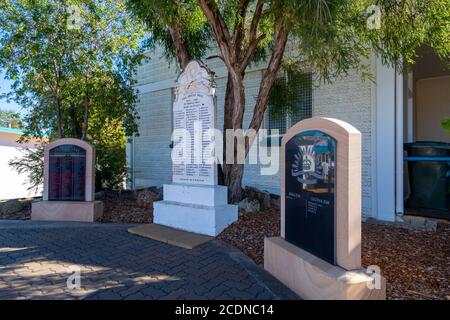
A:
300	104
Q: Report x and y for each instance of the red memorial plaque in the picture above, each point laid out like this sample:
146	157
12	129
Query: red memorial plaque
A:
67	173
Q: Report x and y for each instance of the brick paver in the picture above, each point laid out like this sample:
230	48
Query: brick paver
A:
35	258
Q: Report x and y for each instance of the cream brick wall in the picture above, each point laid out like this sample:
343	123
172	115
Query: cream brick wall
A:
156	69
151	152
349	99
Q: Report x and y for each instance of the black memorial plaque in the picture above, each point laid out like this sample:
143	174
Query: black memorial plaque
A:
67	173
310	163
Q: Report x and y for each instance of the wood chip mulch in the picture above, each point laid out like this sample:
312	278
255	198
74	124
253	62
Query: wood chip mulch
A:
24	214
248	233
115	210
125	211
415	263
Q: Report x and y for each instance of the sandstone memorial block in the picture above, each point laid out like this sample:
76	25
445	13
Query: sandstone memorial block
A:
69	183
318	254
194	202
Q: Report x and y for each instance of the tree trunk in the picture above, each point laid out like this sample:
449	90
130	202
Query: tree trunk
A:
233	174
59	119
75	123
179	44
235	183
227	124
267	81
85	118
233	120
235	104
236	63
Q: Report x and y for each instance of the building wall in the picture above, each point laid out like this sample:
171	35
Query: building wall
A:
349	99
13	185
432	107
151	148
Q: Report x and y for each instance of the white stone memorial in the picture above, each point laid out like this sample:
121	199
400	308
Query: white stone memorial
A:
194	202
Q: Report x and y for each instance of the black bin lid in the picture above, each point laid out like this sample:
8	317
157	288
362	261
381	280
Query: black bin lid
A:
428	148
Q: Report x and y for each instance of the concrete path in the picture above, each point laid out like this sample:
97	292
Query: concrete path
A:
39	259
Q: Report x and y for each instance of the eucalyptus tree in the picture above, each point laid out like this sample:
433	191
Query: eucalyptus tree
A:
331	37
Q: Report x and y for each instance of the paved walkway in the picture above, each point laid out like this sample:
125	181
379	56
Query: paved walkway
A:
36	257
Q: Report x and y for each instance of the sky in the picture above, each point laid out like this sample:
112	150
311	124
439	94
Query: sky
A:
4	87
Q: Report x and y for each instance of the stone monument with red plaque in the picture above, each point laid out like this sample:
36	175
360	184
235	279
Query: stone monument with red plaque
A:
69	183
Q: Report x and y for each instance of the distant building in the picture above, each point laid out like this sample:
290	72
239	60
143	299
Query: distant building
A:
12	184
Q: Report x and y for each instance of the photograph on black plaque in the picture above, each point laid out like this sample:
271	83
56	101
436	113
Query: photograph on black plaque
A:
310	163
67	173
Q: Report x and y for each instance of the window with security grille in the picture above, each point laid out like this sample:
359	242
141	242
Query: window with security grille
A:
290	101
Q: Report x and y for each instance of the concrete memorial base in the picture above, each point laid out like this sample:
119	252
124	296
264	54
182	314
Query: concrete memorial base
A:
313	278
195	208
84	211
175	237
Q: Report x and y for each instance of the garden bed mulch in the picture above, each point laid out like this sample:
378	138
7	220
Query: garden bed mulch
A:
125	211
415	263
115	210
24	214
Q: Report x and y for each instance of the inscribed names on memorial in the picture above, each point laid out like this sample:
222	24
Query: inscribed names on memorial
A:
67	173
194	110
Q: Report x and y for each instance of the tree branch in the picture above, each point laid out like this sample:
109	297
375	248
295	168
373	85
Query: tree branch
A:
250	51
215	56
269	76
225	44
239	33
180	46
86	106
253	40
220	31
255	20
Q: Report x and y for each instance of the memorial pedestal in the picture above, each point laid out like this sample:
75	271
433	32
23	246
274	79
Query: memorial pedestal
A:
194	202
315	279
195	208
83	211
